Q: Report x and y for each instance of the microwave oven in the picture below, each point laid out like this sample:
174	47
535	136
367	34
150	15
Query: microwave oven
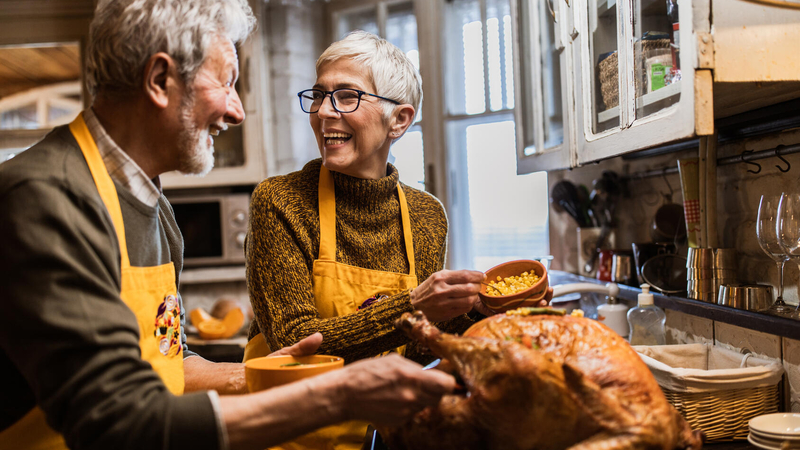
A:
213	227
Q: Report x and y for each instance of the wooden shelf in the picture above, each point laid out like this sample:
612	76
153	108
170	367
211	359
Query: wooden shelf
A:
645	100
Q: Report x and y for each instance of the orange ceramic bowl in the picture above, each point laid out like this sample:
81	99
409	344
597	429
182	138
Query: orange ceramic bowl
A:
270	371
528	297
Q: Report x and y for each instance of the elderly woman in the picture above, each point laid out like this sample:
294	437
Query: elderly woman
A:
341	246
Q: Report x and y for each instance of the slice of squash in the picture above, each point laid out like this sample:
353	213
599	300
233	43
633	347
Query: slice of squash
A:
199	315
212	328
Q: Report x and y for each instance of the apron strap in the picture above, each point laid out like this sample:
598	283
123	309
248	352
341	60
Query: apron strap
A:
327	220
406	230
105	186
327	216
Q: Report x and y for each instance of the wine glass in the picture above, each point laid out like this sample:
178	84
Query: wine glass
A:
788	226
766	232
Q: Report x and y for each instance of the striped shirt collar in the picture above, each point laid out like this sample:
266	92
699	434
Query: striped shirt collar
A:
120	166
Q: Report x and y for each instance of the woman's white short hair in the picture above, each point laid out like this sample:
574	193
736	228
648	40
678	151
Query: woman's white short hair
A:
392	73
124	34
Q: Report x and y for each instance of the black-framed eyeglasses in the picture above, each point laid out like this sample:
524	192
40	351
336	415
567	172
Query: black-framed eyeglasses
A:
344	100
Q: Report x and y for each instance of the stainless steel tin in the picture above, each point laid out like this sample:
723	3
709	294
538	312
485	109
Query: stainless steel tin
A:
700	258
752	297
699	274
725	258
622	269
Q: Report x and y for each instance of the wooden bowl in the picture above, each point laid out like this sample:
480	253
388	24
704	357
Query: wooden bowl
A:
271	371
528	297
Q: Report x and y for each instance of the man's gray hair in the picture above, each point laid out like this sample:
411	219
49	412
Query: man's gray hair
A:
124	34
392	73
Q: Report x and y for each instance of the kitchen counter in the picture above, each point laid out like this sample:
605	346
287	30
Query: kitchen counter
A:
765	323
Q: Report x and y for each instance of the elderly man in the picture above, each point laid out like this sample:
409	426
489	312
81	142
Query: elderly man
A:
90	255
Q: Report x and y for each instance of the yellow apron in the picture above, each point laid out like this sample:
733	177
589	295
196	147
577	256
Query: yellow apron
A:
339	289
149	292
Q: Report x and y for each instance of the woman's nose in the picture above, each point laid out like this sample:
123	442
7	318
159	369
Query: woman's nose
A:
235	113
326	108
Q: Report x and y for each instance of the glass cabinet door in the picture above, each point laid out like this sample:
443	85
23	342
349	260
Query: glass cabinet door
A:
656	41
543	84
604	64
633	92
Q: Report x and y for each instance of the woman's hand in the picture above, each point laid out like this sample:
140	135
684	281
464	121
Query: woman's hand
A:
447	294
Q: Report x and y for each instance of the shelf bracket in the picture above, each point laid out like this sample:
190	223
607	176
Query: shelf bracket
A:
703	102
705	51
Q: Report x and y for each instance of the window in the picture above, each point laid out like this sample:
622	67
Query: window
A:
495	215
395	22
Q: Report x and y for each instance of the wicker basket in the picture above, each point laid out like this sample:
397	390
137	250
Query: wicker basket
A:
723	415
717	390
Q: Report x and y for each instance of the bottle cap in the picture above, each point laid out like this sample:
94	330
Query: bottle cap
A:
645	298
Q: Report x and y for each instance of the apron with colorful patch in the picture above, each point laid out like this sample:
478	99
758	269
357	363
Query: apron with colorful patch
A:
149	292
340	289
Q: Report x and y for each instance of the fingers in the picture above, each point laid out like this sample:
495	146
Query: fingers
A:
305	347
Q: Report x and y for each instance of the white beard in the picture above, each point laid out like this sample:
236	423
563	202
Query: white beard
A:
196	155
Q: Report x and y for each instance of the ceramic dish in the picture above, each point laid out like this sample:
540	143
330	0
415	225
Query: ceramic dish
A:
528	297
779	425
270	371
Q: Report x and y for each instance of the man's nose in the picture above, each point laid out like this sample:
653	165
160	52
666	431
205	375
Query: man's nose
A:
235	113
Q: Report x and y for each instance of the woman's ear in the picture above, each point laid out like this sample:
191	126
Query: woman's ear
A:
403	118
158	72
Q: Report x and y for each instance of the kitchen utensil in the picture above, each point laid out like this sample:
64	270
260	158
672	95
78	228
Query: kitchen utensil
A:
565	195
604	262
622	270
666	273
668	224
752	297
270	371
642	252
528	297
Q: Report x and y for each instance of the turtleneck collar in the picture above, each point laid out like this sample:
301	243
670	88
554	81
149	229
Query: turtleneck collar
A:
363	192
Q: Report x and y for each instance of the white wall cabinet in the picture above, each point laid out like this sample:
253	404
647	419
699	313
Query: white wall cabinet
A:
242	153
618	89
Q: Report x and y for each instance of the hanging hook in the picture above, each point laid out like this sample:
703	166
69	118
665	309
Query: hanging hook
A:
747	152
778	154
668	196
552	10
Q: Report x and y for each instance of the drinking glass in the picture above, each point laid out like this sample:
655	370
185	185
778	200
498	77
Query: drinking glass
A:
766	232
788	227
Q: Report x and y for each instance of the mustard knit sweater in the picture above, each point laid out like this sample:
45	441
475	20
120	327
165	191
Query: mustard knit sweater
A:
283	242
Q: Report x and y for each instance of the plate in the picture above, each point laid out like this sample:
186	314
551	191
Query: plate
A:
778	425
760	444
769	444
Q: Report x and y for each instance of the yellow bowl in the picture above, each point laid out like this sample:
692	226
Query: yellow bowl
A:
527	297
271	371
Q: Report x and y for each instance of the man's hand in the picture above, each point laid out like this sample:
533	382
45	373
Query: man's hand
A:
390	390
306	346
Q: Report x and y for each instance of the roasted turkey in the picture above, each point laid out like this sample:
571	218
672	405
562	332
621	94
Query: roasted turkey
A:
541	381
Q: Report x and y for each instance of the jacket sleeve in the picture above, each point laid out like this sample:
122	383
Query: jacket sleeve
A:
70	336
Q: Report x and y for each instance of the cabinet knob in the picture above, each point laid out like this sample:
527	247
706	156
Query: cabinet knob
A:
240	238
239	217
